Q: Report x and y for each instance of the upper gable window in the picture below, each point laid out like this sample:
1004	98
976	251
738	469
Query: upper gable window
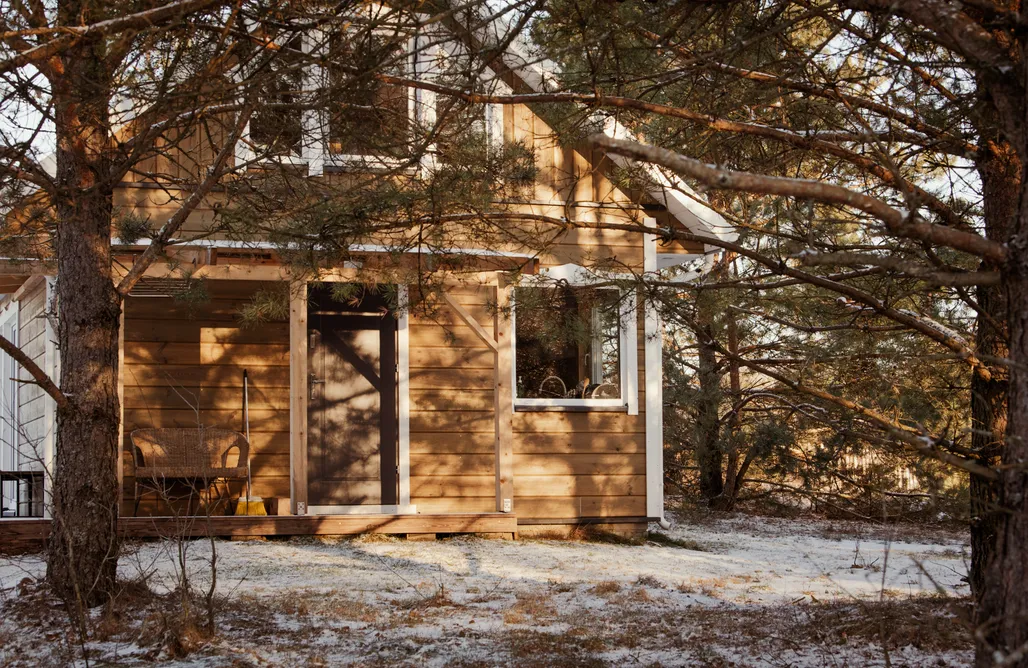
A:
276	128
367	116
569	347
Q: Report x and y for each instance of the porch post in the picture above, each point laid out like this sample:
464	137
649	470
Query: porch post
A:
298	397
52	366
654	347
503	398
403	395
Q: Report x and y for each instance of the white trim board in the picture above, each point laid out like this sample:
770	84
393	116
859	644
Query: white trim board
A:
355	248
52	366
654	389
403	397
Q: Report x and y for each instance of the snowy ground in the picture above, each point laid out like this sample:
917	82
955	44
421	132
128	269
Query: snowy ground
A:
750	592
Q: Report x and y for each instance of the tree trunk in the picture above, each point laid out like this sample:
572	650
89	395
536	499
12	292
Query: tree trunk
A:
83	550
1000	171
734	472
1003	614
708	446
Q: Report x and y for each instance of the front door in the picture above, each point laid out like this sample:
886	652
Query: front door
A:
351	458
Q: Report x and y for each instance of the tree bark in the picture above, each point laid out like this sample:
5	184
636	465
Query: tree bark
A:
1000	172
1003	615
709	457
83	549
733	471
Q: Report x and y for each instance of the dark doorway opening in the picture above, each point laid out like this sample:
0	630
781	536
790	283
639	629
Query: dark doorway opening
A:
351	411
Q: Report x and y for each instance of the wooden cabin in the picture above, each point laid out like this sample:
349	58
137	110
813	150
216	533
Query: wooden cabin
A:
371	407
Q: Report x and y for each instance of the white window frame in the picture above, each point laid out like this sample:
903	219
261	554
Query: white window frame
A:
315	152
628	360
348	160
425	100
244	153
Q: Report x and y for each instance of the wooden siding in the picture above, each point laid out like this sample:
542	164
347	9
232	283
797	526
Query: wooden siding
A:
566	465
31	398
184	367
571	181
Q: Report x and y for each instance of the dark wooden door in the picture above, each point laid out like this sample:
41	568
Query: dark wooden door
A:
351	457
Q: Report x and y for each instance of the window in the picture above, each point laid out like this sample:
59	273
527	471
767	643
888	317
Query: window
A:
572	347
276	127
368	117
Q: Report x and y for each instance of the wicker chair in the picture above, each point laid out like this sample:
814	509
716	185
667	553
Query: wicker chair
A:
199	456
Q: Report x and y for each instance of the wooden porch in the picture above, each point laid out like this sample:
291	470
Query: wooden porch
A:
27	535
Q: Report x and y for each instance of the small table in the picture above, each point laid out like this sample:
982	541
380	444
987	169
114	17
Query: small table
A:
35	481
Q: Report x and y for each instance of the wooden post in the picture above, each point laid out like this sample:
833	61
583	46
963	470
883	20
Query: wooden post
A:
403	395
503	398
298	397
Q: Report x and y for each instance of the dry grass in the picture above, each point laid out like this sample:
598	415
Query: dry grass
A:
572	649
657	538
540	628
606	588
530	608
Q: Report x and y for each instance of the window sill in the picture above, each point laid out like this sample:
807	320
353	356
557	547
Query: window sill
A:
569	409
343	163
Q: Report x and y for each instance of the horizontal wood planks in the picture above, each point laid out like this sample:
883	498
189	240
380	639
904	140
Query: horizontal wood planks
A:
567	465
184	367
571	180
25	535
32	426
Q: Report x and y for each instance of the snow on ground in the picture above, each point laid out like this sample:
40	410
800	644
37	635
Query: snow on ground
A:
752	591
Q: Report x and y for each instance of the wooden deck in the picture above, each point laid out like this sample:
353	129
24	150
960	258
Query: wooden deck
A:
21	535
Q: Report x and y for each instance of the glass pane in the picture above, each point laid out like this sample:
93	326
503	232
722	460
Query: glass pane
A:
276	126
462	135
368	116
568	343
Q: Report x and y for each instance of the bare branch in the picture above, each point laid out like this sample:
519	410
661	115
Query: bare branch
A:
914	438
893	263
37	374
898	222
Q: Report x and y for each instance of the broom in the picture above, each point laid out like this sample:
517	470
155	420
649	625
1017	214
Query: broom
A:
251	505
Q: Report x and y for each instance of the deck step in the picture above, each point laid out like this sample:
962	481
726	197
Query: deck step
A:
20	535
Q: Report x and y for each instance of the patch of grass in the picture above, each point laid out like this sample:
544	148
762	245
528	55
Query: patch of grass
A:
366	538
665	540
558	650
606	588
435	598
687	587
649	581
561	587
928	623
530	608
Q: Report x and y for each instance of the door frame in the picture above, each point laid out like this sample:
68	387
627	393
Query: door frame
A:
298	428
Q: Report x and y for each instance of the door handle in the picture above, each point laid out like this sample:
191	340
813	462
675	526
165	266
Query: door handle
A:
312	380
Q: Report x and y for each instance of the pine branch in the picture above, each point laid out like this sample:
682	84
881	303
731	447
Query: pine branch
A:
40	376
